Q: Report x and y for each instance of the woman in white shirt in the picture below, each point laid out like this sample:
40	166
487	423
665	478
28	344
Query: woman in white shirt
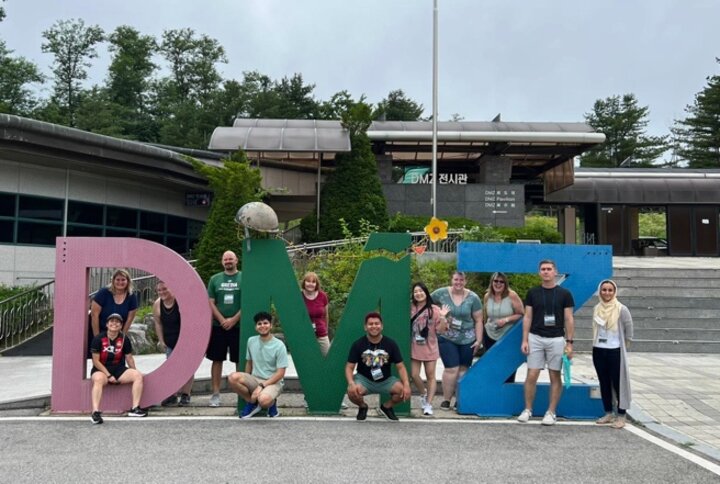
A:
612	333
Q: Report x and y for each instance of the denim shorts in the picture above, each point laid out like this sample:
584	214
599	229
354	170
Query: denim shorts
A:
454	355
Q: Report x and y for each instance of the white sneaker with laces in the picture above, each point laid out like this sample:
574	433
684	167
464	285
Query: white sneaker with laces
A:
215	400
427	409
549	418
423	401
525	416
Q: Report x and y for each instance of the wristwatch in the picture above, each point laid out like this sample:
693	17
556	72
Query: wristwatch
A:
569	341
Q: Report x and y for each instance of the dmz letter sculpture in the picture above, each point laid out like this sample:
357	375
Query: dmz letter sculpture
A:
74	257
268	279
483	390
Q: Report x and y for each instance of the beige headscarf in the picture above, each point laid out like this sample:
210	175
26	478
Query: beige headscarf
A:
607	311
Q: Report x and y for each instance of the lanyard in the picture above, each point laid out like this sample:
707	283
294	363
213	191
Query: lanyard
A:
545	303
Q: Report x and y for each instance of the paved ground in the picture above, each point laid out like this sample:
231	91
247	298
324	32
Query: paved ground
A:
332	451
675	395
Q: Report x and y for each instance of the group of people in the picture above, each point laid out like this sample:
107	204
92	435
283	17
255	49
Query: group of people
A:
452	324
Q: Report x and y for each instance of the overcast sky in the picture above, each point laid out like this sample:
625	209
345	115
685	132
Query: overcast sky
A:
531	60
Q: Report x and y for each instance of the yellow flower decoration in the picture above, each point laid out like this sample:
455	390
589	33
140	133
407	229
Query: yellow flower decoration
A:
436	229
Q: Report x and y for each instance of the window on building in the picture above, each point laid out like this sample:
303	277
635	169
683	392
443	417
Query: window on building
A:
40	208
38	233
7	204
177	225
7	231
152	221
122	217
82	231
85	213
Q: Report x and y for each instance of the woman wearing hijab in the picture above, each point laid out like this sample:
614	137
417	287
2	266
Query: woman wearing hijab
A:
612	333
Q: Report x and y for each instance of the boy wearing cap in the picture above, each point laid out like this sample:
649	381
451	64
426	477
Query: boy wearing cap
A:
113	364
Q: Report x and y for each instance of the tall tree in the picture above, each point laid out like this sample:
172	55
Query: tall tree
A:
398	107
16	76
289	98
73	45
233	184
192	62
623	122
698	135
353	191
183	99
339	105
128	82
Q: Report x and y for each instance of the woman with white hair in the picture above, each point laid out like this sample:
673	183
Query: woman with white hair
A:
612	333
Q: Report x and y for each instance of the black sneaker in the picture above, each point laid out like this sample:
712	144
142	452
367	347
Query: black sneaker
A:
445	405
137	412
362	413
184	400
96	418
387	412
170	401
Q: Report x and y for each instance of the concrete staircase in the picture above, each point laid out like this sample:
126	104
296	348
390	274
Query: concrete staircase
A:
673	310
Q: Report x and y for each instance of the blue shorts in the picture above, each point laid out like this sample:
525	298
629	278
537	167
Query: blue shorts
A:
454	355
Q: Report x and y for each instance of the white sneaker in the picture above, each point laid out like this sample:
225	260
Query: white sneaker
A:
214	400
525	416
427	409
423	401
549	418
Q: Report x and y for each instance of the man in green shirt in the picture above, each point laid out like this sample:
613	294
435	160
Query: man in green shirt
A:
224	294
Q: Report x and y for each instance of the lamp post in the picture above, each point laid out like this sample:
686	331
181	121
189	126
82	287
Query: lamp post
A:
434	108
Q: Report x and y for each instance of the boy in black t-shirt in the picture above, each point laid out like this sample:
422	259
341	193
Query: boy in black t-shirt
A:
373	356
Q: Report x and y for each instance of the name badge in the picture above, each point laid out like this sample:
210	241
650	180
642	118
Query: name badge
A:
228	298
456	323
419	339
549	320
602	335
376	373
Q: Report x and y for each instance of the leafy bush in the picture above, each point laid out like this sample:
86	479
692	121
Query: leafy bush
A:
337	269
653	224
416	223
10	291
535	229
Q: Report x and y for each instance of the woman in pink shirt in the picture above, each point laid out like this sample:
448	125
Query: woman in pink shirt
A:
426	320
316	302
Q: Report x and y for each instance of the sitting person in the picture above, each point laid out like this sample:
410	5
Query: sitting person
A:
262	381
111	350
374	355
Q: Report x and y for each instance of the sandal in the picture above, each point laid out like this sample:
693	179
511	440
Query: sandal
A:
608	418
619	423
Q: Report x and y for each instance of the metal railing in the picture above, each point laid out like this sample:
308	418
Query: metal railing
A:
25	315
448	245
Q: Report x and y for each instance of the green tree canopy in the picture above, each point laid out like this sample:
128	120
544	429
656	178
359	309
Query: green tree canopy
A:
623	122
352	191
16	76
73	45
698	135
233	185
398	107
